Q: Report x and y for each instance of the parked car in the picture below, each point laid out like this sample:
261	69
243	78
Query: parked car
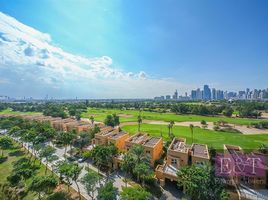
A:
71	159
80	160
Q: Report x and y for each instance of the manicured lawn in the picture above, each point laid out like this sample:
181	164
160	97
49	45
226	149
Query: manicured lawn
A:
9	111
131	115
203	136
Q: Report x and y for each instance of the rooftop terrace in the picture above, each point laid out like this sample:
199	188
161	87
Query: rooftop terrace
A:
152	141
179	144
106	130
117	135
138	138
200	150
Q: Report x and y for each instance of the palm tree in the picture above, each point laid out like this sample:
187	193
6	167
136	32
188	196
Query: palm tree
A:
170	126
192	132
127	165
142	170
92	120
139	122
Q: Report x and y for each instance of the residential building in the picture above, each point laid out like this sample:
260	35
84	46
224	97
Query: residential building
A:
180	154
118	139
102	137
236	153
61	125
153	146
78	126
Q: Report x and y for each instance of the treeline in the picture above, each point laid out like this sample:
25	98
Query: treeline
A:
243	108
62	110
201	109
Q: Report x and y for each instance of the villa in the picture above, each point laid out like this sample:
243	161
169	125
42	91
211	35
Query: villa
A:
153	146
180	154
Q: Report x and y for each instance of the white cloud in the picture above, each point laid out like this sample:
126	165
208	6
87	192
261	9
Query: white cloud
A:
28	54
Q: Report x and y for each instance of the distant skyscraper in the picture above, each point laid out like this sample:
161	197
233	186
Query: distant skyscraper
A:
213	94
199	94
194	94
175	96
207	93
168	97
219	95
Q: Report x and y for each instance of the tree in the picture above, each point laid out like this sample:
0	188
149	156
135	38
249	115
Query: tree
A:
75	171
103	154
70	172
228	111
5	143
134	193
127	165
23	168
14	131
201	183
44	184
87	155
139	155
263	149
139	122
90	181
107	192
64	170
142	170
92	120
112	120
82	141
170	127
212	154
93	131
192	131
47	152
61	195
66	139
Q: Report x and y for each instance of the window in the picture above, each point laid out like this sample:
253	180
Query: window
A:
173	161
148	152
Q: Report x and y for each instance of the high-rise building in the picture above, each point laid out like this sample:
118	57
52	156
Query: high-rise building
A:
194	94
175	96
199	95
219	95
213	94
168	97
207	93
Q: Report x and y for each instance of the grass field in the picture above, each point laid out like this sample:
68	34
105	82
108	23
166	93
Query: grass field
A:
131	115
203	136
9	111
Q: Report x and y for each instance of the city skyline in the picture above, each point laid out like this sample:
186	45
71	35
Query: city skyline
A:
115	52
208	93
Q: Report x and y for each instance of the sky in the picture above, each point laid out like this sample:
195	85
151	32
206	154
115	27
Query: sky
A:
131	49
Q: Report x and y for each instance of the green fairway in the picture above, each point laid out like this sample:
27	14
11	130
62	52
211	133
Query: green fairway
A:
9	111
203	136
131	115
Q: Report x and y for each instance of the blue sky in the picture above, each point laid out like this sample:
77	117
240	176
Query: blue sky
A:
171	43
